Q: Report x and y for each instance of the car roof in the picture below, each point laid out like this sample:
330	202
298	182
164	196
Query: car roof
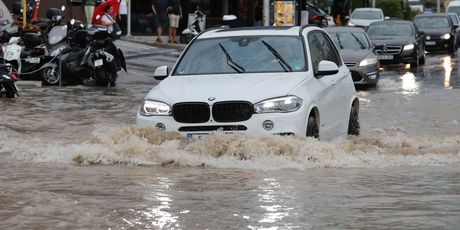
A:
431	15
251	31
394	22
454	3
367	9
344	29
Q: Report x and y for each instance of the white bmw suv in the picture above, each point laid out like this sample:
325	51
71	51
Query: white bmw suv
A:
259	81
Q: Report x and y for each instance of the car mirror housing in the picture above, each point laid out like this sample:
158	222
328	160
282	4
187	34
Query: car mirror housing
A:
327	68
455	27
161	72
386	18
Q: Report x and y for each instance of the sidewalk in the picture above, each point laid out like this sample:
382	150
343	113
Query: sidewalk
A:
151	40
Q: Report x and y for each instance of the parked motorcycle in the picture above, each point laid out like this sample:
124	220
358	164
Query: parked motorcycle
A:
8	88
194	29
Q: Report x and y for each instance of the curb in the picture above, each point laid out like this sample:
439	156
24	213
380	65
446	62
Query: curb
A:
154	43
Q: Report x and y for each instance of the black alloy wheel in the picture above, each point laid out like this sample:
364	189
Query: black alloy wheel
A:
353	123
312	127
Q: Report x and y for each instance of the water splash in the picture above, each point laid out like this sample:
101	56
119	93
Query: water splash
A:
145	146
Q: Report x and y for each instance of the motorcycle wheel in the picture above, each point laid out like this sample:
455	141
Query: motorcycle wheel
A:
50	75
9	92
105	78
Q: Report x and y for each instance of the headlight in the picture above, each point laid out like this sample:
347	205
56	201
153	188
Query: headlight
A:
409	47
154	108
445	36
351	24
278	105
368	61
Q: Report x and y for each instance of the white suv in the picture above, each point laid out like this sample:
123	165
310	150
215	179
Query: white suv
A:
363	17
275	80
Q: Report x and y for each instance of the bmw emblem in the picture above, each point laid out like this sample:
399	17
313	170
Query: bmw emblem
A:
211	99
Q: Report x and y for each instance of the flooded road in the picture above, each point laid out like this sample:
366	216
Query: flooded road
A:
71	158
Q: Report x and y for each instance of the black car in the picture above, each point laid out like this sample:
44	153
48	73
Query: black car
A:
357	54
440	32
397	41
456	22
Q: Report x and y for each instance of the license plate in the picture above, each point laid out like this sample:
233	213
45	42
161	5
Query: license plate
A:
35	60
385	57
430	43
195	136
98	62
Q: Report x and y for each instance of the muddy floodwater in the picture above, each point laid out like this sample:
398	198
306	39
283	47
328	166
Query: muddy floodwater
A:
72	158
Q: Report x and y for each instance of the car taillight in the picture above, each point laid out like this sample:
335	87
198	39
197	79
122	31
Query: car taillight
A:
14	77
314	18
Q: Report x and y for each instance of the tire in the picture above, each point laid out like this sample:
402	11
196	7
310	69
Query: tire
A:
9	92
353	123
105	78
50	75
416	62
312	127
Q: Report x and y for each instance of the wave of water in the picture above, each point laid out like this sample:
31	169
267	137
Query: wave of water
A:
144	146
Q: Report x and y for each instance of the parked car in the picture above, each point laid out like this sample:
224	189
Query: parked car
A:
258	81
416	5
357	53
398	41
363	17
456	22
440	32
316	16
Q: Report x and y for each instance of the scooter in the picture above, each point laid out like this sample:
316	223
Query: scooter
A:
194	29
8	88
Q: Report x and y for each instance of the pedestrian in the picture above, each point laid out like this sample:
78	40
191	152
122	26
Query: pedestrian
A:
123	16
107	18
174	15
88	7
160	15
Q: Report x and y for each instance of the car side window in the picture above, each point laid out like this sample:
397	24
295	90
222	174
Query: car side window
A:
327	48
315	50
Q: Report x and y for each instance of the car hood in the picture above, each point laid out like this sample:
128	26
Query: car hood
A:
248	87
391	40
352	55
363	22
435	31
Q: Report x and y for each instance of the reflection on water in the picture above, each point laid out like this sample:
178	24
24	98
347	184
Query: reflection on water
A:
448	72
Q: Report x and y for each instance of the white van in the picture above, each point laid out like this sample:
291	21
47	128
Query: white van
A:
454	7
416	5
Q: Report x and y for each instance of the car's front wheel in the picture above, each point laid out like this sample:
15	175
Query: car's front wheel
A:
312	127
353	123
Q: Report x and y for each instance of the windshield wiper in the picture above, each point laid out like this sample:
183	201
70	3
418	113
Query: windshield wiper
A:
230	61
338	39
279	58
357	39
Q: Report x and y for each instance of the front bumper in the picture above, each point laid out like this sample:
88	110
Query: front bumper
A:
293	123
404	56
365	75
438	44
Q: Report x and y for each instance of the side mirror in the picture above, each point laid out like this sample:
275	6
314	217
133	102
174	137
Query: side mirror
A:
62	8
420	33
327	68
347	17
161	72
455	27
386	18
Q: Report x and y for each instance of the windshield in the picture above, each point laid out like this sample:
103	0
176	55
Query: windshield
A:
367	14
390	30
242	55
415	3
432	22
454	9
350	40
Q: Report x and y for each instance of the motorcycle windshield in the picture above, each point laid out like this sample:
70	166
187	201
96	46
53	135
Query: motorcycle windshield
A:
57	34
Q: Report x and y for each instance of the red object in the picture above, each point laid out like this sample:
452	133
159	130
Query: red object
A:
37	7
14	77
314	17
99	10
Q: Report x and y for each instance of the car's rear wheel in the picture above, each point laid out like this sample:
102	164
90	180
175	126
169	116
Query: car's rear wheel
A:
312	127
353	123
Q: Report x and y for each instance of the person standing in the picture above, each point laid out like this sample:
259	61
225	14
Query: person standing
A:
123	16
88	6
160	15
174	14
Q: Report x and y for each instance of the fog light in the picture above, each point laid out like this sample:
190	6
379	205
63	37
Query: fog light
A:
372	77
268	125
161	126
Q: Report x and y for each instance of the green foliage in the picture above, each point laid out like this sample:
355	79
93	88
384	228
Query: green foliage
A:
391	8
